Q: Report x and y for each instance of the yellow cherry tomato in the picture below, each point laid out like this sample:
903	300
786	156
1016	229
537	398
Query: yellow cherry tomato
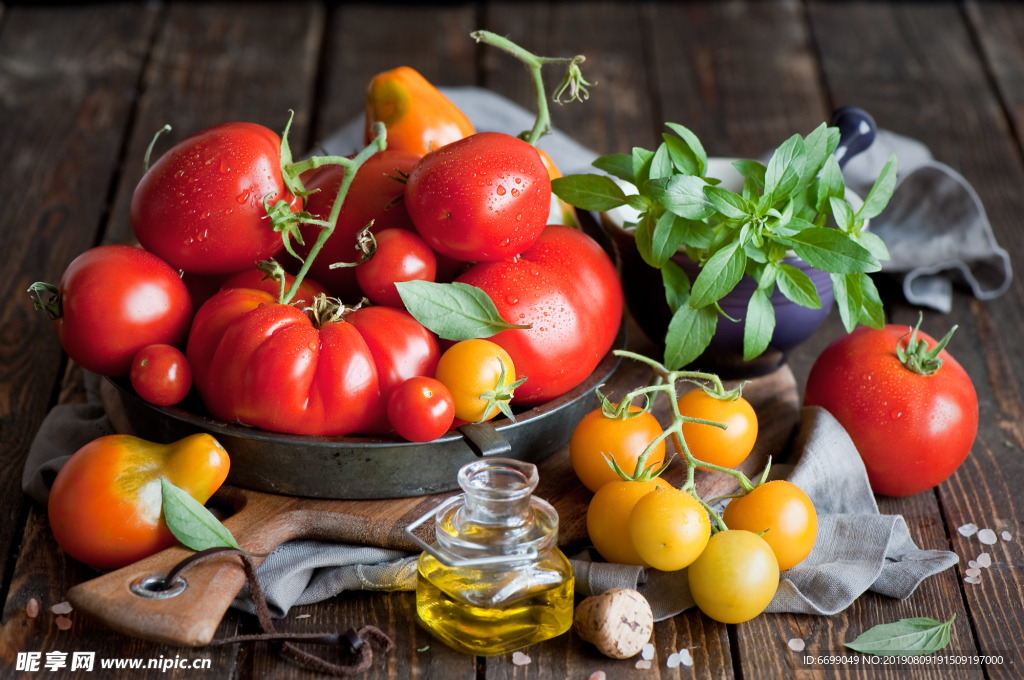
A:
623	440
669	528
784	513
470	369
727	448
608	519
735	577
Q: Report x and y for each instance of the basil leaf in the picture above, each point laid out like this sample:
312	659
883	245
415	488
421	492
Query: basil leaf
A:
830	184
677	285
842	212
617	165
832	251
792	227
191	523
727	203
719	275
682	195
641	165
589	192
874	244
766	277
661	164
815	152
689	334
848	298
784	168
638	202
693	145
455	311
872	313
833	141
755	253
644	239
751	170
698	234
666	238
881	192
906	637
683	159
760	323
798	287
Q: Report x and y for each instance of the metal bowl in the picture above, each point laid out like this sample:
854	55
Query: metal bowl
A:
351	468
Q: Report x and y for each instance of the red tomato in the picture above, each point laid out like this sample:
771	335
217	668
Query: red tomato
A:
200	206
912	430
421	409
485	197
161	375
114	300
566	286
202	287
375	194
254	278
400	256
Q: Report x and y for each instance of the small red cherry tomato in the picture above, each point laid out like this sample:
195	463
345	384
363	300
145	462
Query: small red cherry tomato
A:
400	256
421	409
161	375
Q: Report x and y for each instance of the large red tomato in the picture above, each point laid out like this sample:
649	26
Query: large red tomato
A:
567	287
200	206
375	194
485	197
254	278
912	430
114	300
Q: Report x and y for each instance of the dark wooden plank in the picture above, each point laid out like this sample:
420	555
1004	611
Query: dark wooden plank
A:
221	63
363	40
920	74
66	83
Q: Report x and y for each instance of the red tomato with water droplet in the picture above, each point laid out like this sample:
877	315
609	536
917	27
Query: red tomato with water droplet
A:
200	205
912	431
482	198
400	256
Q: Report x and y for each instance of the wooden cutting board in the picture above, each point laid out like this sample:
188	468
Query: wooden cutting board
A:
260	522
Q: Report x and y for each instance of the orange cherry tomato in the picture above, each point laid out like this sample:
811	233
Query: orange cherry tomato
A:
417	116
471	368
608	519
784	513
669	528
735	578
623	440
105	504
727	448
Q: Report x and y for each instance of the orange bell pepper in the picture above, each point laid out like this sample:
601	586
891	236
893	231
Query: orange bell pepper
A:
418	118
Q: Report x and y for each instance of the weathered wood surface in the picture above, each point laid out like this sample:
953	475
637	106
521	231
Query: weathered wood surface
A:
82	90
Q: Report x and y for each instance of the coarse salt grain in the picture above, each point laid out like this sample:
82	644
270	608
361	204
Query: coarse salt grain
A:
796	644
673	660
984	560
685	658
968	529
63	623
972	564
520	659
1006	535
973	572
597	675
987	536
32	608
643	664
62	608
647	652
972	579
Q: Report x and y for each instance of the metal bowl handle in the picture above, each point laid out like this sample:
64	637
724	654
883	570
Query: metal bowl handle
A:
484	440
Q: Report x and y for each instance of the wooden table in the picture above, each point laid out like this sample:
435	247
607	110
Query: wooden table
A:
83	89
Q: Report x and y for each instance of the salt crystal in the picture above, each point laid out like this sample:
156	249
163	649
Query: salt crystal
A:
973	572
987	536
972	564
796	644
984	560
32	608
63	623
1006	535
673	660
972	579
647	652
62	608
643	664
597	675
520	659
685	658
968	530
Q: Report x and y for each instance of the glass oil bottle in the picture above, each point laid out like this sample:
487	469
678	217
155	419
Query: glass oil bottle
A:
494	580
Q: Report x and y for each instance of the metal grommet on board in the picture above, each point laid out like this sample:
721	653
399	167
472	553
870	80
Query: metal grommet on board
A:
155	588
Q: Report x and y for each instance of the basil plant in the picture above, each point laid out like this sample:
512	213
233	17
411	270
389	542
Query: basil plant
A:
797	203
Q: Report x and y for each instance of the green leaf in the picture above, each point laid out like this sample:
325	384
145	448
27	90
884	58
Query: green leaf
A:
661	164
677	285
798	287
832	251
784	168
872	313
874	244
833	141
191	523
760	323
689	334
641	165
644	239
682	195
830	184
842	212
729	204
617	165
906	637
751	170
815	152
719	275
766	277
848	298
589	192
693	145
683	159
881	192
792	227
667	237
638	202
698	234
455	311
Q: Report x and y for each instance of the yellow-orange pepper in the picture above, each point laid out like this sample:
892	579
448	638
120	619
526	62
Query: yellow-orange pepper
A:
417	116
105	504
